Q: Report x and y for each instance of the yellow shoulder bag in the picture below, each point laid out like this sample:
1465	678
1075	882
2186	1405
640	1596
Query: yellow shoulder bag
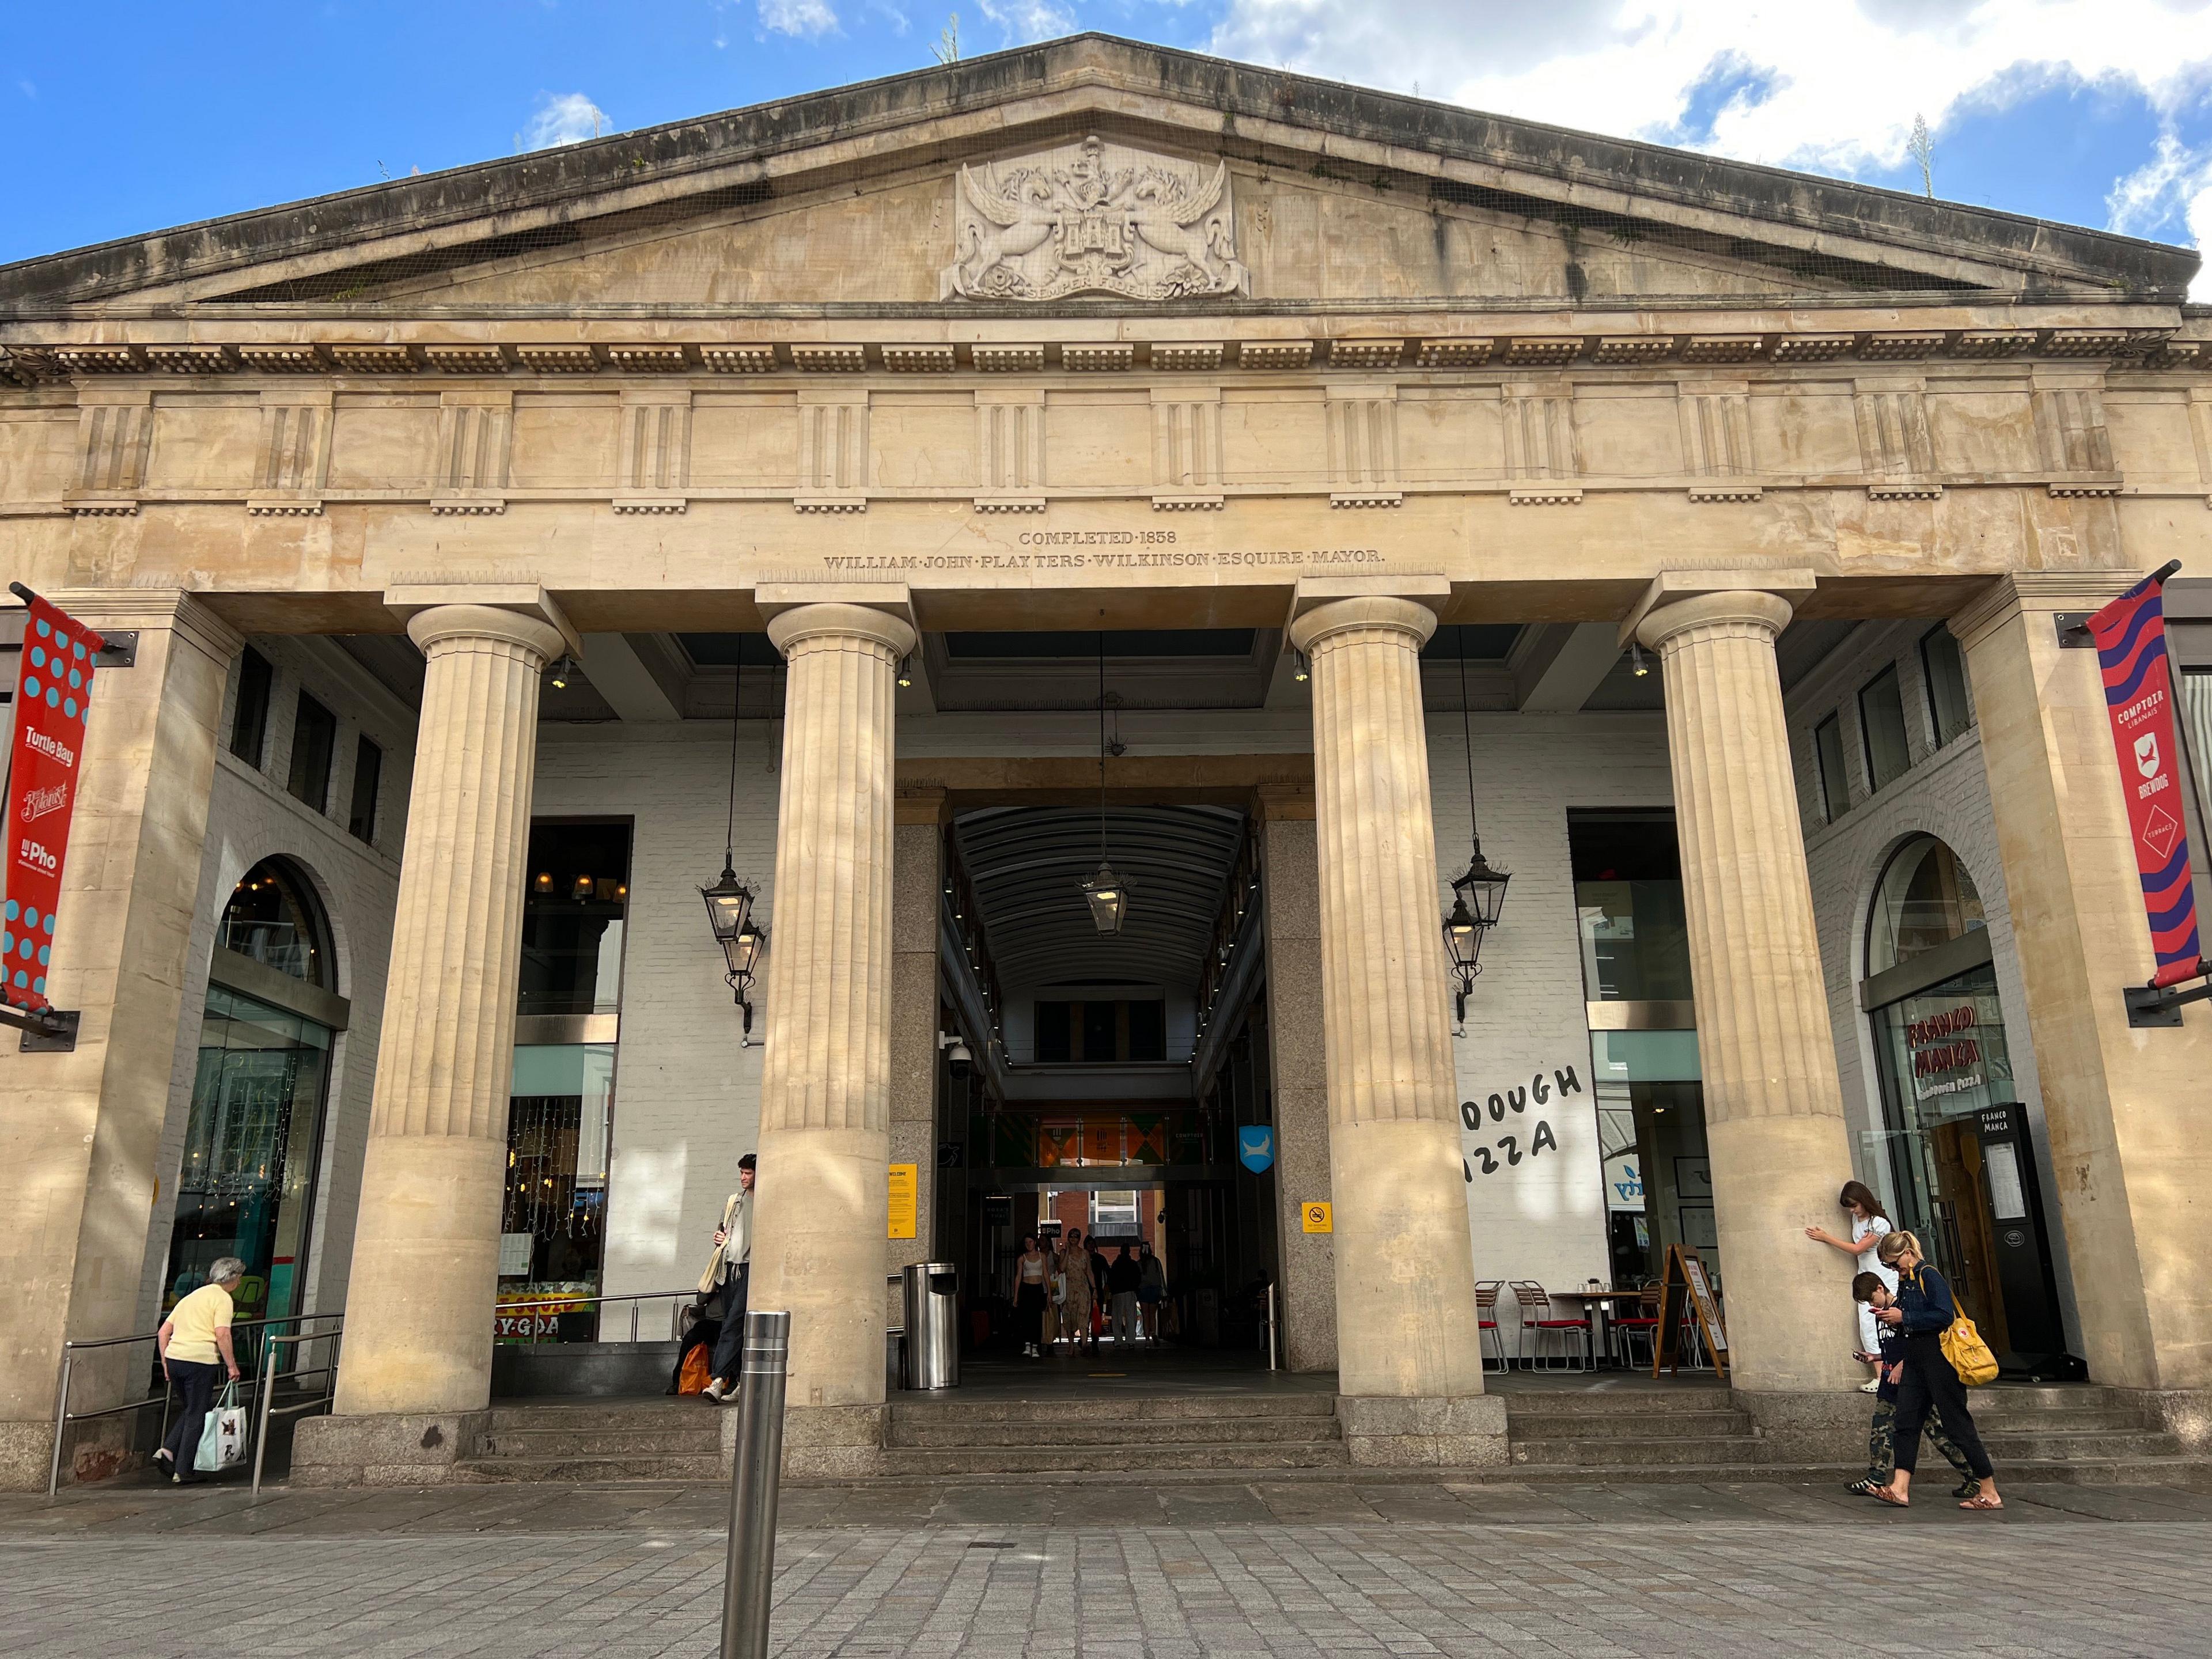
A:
1963	1346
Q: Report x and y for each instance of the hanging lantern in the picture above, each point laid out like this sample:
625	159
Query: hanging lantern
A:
1109	898
730	913
1477	897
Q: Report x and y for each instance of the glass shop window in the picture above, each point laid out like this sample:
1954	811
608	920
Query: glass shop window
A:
1828	755
1628	895
1095	1032
552	1242
1881	718
249	722
572	918
314	744
1949	711
367	775
274	918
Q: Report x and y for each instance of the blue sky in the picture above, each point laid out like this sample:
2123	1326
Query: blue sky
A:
141	115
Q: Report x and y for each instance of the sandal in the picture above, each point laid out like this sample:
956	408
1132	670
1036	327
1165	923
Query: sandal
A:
1888	1496
1984	1501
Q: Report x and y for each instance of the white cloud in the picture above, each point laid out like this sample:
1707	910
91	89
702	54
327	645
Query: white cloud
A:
1840	84
1832	87
1024	21
801	17
566	118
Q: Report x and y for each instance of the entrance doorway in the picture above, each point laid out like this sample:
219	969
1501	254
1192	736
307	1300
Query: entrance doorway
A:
1112	1066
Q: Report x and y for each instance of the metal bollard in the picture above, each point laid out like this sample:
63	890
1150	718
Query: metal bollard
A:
755	1477
261	1408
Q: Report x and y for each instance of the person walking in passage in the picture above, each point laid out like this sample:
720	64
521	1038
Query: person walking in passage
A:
1152	1291
1869	1228
728	1280
194	1343
1922	1312
1882	1435
1032	1295
1123	1279
1077	1298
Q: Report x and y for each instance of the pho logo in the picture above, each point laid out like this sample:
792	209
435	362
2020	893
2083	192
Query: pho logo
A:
37	856
2147	755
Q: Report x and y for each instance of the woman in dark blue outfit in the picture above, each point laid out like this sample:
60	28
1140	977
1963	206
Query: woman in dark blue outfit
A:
1923	1310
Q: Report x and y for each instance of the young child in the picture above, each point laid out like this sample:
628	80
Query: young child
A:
1881	1443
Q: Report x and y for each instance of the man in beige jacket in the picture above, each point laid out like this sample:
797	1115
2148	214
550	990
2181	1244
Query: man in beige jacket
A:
728	1273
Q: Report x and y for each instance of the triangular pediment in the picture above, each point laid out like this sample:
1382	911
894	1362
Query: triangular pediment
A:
1098	171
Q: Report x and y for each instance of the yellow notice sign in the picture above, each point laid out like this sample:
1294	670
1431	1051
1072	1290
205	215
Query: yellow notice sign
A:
906	1185
1316	1218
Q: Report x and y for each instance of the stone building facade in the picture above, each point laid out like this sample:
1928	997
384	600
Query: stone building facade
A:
1506	481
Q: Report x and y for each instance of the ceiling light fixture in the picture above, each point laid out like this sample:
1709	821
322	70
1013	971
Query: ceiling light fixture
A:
1478	894
730	900
1107	894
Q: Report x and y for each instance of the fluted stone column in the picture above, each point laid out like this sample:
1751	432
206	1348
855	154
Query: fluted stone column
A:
1774	1122
419	1304
1409	1358
825	1077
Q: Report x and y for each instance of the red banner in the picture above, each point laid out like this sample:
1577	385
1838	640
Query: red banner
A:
2130	639
53	690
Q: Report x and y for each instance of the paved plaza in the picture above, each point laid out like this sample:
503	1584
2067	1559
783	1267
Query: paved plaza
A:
1112	1570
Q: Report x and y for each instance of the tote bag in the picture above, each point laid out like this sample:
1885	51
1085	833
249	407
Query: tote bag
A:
222	1442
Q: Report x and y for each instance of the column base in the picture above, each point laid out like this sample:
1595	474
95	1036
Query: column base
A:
1383	1431
1808	1428
27	1451
823	1443
401	1449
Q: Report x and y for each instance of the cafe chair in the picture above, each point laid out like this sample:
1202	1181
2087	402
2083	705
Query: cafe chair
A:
1537	1316
1485	1303
1644	1322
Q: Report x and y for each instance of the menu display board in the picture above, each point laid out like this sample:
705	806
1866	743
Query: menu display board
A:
1684	1292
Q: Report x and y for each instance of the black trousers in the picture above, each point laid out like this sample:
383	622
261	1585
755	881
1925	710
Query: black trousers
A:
730	1346
196	1385
1929	1380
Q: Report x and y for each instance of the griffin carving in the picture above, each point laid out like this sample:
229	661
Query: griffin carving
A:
1094	218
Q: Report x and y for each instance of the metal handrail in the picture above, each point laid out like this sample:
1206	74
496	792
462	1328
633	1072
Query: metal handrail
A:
266	1400
63	1416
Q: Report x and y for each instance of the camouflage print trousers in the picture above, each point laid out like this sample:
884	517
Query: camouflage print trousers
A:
1881	1443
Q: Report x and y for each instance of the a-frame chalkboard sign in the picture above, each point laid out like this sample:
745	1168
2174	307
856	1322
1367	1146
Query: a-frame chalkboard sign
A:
1684	1291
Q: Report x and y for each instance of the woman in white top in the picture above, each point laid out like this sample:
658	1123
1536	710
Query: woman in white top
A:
1868	1226
1032	1299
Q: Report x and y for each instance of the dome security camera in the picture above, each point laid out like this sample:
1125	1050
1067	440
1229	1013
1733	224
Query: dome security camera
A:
954	1047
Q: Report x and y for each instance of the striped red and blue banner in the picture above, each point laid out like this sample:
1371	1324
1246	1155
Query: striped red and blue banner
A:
2130	638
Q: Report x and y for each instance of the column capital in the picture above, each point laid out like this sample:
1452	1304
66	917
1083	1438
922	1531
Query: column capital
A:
787	628
1672	587
2046	591
1741	606
484	621
527	599
1337	616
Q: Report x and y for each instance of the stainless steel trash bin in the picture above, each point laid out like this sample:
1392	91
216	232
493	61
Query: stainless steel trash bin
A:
931	1291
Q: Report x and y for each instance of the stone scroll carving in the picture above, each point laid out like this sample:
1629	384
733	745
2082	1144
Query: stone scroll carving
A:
1094	218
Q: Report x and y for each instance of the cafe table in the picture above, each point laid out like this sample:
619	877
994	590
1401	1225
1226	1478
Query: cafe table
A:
1601	1307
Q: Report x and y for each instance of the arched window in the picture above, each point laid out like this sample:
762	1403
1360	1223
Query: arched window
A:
274	918
1925	898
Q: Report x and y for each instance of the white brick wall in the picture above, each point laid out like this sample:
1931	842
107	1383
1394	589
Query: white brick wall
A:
1945	794
251	817
1543	1218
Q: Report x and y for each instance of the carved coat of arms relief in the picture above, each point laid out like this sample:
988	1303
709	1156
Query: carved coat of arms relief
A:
1094	218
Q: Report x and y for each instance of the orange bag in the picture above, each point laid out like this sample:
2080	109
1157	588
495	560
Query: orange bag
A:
698	1371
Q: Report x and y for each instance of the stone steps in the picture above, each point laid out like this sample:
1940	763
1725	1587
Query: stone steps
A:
976	1439
974	1463
1624	1425
676	1440
1170	1431
1698	1451
594	1471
